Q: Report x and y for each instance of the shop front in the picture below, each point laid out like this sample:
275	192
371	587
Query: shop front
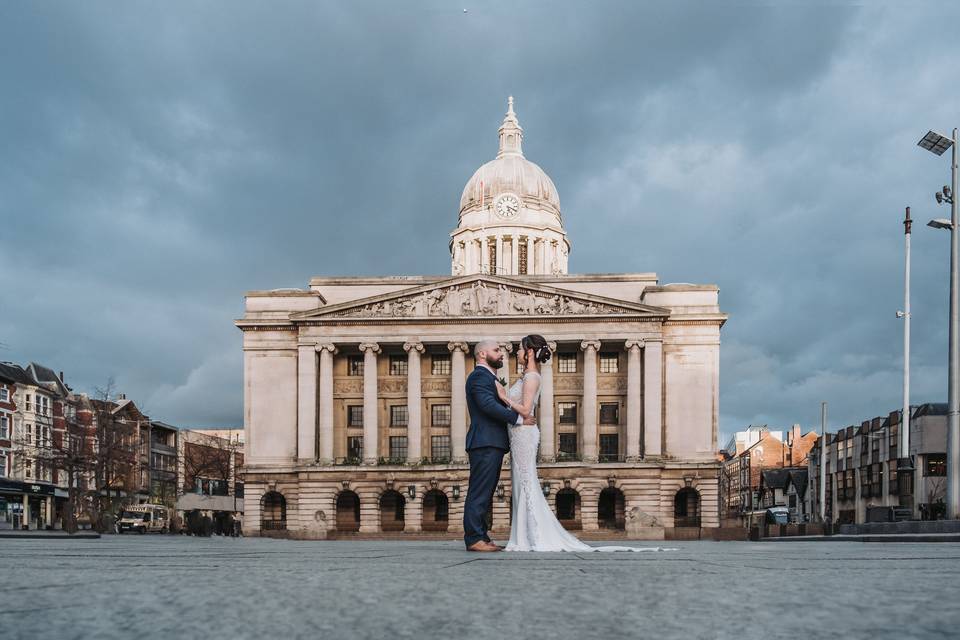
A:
25	505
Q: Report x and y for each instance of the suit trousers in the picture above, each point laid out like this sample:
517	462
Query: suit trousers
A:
485	465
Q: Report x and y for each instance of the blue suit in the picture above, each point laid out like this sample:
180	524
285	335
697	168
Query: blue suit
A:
487	442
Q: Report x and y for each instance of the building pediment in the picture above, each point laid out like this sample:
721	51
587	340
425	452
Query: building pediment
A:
481	296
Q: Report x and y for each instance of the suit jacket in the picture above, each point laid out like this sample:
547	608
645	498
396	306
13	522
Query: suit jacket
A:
488	416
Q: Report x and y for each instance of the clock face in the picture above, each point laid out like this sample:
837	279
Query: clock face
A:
507	205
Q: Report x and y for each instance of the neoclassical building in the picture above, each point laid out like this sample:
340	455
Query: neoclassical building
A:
354	405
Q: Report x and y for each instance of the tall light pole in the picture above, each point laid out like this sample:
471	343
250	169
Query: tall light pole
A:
904	464
937	143
823	463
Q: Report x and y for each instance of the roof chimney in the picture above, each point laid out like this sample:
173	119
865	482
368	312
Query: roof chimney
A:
61	378
121	396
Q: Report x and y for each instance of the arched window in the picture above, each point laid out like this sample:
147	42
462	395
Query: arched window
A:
348	511
391	511
610	509
436	511
686	508
568	508
273	512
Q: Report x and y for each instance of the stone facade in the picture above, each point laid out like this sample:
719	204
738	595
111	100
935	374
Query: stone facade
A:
354	404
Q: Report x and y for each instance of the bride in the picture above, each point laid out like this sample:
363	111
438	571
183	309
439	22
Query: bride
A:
534	527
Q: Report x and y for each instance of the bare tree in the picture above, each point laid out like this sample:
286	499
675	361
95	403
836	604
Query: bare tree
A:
116	442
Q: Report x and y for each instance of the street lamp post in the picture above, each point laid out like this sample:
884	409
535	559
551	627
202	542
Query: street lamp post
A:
904	464
937	143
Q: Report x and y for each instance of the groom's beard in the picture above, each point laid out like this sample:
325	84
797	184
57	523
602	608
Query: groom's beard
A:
495	364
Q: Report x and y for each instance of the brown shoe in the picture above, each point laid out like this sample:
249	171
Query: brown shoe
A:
483	547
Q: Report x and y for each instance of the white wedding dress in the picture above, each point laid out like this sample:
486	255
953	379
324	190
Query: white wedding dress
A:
533	526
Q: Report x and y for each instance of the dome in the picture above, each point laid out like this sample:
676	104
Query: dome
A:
510	172
513	174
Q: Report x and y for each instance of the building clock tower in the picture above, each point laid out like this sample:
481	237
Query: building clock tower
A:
510	222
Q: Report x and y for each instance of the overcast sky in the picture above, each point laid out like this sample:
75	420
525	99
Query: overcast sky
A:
160	159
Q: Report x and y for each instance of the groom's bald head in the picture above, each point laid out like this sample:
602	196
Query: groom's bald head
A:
484	346
487	352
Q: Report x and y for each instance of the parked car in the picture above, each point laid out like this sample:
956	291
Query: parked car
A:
778	515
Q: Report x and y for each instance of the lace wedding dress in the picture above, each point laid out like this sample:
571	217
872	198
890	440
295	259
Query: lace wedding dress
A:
534	527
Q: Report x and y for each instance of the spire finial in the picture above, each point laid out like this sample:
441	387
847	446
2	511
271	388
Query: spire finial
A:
511	134
510	106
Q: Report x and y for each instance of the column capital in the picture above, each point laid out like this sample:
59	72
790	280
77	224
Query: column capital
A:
370	346
639	343
413	346
458	346
332	348
507	347
588	344
552	346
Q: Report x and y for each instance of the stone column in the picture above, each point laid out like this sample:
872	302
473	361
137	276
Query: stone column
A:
588	420
306	403
588	509
370	409
458	401
514	256
530	255
369	503
547	450
485	255
327	351
412	509
507	348
414	420
652	398
634	399
500	266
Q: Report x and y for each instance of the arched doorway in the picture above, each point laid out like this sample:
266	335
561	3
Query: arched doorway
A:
610	509
686	508
273	512
391	511
348	511
568	508
436	511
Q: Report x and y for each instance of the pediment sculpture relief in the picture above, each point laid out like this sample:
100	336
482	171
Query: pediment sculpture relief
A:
481	299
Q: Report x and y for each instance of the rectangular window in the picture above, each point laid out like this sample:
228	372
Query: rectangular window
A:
4	394
4	427
609	363
28	403
398	447
440	365
610	413
440	414
568	412
29	434
609	447
440	448
3	464
399	415
567	362
355	415
354	448
398	365
936	465
568	446
522	259
355	365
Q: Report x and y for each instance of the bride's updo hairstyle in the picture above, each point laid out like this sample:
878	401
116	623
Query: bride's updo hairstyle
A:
537	343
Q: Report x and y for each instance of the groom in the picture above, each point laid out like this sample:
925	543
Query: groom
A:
487	442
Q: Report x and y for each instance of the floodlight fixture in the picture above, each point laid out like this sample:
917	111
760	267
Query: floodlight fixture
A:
935	142
940	223
939	197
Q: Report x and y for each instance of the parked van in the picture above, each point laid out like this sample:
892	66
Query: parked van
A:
144	518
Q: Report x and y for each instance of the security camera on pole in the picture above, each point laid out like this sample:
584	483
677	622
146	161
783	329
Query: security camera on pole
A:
937	143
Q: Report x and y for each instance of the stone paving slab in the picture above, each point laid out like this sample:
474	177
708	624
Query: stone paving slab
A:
182	587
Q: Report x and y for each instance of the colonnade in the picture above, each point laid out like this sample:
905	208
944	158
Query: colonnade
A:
315	419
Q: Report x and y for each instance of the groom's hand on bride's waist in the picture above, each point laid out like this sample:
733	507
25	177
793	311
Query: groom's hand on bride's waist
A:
529	420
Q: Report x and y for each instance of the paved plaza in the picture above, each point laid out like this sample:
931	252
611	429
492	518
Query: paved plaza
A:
181	587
